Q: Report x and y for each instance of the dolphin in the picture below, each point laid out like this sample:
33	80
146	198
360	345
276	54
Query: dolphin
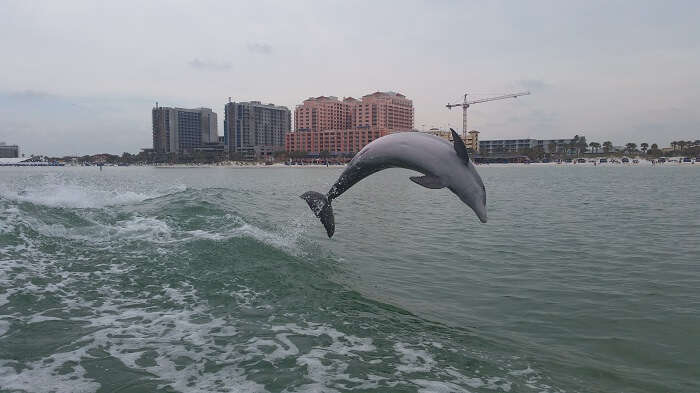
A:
443	164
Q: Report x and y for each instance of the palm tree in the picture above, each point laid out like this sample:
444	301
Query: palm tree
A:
644	147
607	146
594	146
631	147
654	150
674	144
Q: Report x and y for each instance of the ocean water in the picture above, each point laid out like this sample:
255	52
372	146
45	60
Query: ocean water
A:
585	279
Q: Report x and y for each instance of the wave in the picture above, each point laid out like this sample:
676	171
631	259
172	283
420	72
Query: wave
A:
166	219
55	190
176	286
172	335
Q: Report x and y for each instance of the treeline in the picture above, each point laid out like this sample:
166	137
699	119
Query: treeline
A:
579	146
126	158
197	157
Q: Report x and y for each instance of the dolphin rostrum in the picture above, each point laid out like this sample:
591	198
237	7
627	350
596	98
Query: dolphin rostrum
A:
443	164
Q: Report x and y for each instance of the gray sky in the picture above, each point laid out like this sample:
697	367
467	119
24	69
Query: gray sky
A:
82	77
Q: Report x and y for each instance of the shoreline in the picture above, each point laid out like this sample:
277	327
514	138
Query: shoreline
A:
642	163
239	165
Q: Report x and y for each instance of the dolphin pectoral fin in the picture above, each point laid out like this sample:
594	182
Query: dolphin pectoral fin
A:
426	181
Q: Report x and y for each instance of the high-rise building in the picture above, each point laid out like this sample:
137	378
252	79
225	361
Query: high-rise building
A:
383	111
322	113
181	131
8	151
344	127
386	111
253	130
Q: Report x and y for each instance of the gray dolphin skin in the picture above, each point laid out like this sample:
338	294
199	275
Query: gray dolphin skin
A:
443	164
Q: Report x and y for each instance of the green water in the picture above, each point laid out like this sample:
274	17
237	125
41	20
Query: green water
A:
585	279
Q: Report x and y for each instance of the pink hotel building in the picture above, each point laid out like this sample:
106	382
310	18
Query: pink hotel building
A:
344	127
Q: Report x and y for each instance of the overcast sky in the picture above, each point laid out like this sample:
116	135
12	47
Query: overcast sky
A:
82	77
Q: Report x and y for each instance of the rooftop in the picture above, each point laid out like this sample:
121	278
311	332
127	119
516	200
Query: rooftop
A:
385	93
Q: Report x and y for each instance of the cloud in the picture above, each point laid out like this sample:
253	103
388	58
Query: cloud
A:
533	84
210	65
261	48
29	94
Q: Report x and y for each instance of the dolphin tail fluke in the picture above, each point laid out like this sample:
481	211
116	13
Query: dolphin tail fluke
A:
322	208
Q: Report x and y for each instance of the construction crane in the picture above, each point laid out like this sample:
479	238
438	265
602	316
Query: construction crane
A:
466	105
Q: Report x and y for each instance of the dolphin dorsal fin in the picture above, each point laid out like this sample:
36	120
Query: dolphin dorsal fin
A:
460	147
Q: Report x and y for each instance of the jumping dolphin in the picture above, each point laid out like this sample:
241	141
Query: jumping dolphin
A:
442	163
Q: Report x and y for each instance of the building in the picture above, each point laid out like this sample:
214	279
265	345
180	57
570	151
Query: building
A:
253	130
342	128
472	141
556	145
444	134
385	111
518	145
343	143
181	131
506	145
323	113
8	151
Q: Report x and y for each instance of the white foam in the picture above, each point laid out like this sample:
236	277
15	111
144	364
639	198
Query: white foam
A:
125	332
437	386
413	360
8	218
43	376
151	229
525	371
322	363
56	190
285	241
